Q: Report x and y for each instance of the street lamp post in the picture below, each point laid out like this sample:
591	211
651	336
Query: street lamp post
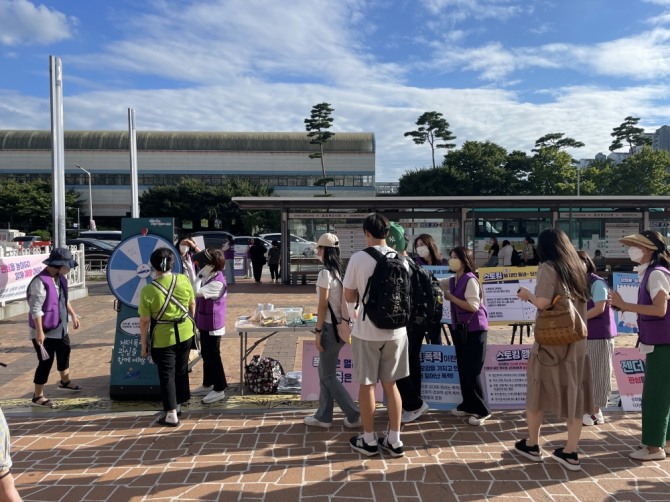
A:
91	223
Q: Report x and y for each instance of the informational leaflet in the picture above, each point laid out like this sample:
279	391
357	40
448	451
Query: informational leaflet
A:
627	286
504	372
629	366
500	286
442	272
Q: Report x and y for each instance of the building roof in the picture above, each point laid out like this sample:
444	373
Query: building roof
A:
363	142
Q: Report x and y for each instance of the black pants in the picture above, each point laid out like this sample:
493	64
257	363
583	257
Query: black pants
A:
274	270
470	360
172	363
434	334
212	367
258	270
58	347
410	386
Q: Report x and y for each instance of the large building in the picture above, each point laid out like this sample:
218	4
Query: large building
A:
280	160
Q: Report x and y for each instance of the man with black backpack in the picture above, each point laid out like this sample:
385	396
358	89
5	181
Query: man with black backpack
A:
378	278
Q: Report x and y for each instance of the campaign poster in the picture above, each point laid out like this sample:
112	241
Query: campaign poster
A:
345	373
505	370
16	272
440	385
500	285
626	285
629	366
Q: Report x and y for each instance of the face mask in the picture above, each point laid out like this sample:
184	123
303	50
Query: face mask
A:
320	257
184	249
635	254
205	271
455	264
423	251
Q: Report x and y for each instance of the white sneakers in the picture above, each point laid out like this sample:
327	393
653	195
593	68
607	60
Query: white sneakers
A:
213	397
352	425
597	419
202	390
643	454
410	416
478	419
311	421
459	413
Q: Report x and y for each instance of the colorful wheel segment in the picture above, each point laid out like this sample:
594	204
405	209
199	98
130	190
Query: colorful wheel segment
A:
129	269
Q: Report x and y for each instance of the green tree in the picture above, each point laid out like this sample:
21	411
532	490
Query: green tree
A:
479	168
553	173
596	178
630	133
432	128
645	173
518	168
428	182
556	141
317	127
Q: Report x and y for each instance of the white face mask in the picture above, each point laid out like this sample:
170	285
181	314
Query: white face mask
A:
455	264
635	254
423	251
205	271
184	249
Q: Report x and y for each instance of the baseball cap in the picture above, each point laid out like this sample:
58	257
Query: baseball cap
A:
396	237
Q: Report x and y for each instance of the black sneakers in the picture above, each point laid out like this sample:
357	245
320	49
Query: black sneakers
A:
394	449
358	443
531	452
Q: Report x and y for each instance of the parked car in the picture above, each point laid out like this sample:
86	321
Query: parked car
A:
27	241
96	251
242	241
213	238
299	246
112	237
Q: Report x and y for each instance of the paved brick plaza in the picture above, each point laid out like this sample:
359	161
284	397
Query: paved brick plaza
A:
256	448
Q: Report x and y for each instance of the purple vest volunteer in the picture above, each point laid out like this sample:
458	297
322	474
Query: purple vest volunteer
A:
51	307
475	321
603	326
653	330
210	314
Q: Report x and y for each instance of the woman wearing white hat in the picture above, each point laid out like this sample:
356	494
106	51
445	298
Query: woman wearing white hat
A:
328	341
648	248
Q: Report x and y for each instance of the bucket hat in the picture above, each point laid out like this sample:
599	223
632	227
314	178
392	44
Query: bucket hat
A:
61	257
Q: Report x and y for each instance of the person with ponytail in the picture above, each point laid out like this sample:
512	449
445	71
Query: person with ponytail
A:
600	342
648	248
168	304
327	339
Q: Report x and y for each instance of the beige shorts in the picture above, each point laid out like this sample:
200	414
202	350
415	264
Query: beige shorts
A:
384	361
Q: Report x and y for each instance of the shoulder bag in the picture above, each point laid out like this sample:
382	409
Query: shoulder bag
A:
560	323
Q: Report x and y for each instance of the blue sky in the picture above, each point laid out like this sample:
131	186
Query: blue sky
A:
508	71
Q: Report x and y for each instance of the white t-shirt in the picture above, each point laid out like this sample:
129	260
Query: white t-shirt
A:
360	268
327	280
505	256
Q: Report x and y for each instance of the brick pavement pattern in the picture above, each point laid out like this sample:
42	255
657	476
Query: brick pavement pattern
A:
266	455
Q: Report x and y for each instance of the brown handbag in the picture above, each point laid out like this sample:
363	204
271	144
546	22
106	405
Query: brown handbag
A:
560	323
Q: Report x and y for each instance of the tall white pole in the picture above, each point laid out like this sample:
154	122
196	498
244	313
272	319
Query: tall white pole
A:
57	150
132	146
91	221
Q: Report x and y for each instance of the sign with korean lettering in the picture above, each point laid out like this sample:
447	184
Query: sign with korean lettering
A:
345	373
500	285
504	372
440	385
627	286
629	365
16	272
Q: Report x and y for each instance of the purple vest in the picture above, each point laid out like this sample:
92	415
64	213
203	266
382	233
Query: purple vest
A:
210	314
476	321
602	326
653	330
51	307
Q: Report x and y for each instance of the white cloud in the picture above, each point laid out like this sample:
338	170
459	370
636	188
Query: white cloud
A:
24	23
460	10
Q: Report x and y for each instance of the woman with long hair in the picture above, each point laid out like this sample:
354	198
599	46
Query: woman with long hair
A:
470	326
494	249
210	319
600	342
171	336
648	248
328	342
428	254
559	376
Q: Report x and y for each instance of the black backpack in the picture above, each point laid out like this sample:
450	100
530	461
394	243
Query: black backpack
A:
516	258
427	297
386	300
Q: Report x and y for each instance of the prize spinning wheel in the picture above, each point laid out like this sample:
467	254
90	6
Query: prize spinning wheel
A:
129	269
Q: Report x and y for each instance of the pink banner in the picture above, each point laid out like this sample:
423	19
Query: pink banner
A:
345	369
16	272
629	365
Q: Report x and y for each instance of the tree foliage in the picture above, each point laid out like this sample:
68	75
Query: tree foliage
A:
317	127
556	141
630	133
28	206
432	129
645	173
479	167
194	200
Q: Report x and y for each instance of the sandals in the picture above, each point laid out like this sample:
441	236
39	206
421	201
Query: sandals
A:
68	386
165	423
530	452
565	459
43	402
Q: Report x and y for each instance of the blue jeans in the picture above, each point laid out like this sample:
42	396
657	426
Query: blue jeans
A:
229	270
331	389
